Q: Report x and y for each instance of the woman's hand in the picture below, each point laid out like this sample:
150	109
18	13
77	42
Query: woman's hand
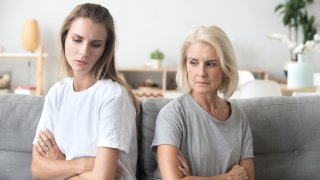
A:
237	173
48	147
183	167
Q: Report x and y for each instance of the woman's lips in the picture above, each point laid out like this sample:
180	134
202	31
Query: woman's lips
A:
79	62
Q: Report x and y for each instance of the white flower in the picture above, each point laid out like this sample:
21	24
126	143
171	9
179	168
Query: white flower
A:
307	47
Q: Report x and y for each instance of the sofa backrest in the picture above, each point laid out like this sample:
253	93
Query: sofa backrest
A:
19	116
286	136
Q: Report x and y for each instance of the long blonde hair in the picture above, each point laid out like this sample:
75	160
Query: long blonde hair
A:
105	68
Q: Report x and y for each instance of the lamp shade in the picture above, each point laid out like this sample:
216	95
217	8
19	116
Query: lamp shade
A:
30	35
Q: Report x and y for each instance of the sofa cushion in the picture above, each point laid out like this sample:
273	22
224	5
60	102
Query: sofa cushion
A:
286	136
149	111
19	116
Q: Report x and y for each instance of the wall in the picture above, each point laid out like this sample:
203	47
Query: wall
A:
145	25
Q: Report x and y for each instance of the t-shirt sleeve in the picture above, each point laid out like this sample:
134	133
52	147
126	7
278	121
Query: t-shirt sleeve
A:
168	128
47	114
247	147
116	124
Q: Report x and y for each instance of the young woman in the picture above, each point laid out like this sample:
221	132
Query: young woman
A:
87	126
213	134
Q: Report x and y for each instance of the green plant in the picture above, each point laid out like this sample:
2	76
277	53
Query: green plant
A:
157	55
295	16
308	27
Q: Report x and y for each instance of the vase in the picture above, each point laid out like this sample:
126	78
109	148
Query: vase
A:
156	64
300	74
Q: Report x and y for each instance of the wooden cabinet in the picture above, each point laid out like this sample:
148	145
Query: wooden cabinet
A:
39	56
151	83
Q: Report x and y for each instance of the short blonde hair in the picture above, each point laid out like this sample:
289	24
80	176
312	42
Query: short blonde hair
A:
217	38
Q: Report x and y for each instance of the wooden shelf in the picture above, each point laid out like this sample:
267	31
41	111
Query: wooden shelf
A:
289	91
164	78
32	56
39	56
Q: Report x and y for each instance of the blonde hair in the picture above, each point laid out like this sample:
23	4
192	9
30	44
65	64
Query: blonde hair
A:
105	68
214	36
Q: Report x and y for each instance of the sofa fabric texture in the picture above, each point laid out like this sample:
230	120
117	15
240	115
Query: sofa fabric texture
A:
19	116
286	136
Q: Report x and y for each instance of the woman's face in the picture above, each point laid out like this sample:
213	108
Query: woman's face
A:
204	68
84	45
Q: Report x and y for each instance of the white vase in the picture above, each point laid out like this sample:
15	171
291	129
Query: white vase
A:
300	74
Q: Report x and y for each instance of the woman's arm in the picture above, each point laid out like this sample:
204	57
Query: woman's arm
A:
46	168
169	167
249	167
105	165
48	162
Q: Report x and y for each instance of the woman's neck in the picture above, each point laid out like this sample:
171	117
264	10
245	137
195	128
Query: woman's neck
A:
213	104
81	83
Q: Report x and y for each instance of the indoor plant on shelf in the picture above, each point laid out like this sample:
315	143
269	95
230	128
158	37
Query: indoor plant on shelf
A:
300	74
156	56
295	17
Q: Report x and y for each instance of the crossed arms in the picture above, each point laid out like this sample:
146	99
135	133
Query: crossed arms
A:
48	162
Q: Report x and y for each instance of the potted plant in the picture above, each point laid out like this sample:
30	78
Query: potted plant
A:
156	56
295	16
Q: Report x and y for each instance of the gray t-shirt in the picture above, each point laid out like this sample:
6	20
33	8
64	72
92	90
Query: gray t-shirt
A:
210	146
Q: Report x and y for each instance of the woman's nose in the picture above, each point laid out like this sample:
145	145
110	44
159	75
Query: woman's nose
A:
202	70
84	50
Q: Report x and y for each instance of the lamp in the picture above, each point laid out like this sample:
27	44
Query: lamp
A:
30	35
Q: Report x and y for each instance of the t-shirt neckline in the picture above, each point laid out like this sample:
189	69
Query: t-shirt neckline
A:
197	106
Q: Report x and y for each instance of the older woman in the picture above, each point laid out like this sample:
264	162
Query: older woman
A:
212	133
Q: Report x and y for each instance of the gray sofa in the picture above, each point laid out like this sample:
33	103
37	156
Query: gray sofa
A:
286	136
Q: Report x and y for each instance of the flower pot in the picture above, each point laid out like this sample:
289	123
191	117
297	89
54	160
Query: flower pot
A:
300	74
156	64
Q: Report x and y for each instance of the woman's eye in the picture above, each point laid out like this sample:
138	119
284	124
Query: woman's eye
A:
77	40
193	62
211	64
96	45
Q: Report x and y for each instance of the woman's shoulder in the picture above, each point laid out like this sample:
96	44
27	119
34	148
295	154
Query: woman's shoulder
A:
237	110
109	87
59	86
177	104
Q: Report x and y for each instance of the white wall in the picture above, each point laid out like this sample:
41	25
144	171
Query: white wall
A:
145	25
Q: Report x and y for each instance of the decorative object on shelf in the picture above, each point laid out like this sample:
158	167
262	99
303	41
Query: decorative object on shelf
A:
30	35
295	16
300	74
5	81
157	56
29	90
301	48
39	57
309	46
149	83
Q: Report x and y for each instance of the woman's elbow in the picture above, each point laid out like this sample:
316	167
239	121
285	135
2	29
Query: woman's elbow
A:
35	171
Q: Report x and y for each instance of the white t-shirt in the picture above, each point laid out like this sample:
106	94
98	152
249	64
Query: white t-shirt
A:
100	116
